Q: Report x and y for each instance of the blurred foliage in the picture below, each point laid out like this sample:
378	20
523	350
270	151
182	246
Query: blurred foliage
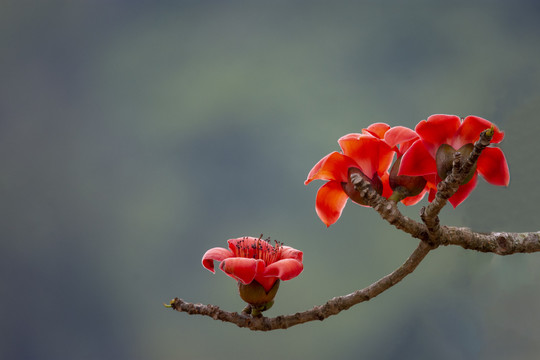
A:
136	135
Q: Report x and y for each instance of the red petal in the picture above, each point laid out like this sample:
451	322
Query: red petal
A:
347	142
493	167
331	200
438	129
470	130
351	136
432	193
334	166
266	282
364	151
217	254
242	269
417	161
386	155
288	252
387	190
284	269
378	129
463	191
398	135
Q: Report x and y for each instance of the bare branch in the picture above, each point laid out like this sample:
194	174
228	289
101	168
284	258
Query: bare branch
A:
388	209
501	243
331	307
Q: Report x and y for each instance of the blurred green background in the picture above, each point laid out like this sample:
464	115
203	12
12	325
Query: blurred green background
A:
135	135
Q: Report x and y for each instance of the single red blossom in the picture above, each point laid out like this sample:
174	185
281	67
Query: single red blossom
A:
365	154
255	261
442	135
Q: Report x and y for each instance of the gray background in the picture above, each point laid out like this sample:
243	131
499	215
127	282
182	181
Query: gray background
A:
136	135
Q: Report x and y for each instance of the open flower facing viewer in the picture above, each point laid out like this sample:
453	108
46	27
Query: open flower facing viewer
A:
258	267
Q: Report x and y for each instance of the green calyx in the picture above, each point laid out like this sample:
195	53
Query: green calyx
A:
257	297
445	158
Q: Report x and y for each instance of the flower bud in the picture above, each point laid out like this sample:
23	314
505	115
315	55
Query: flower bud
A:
445	158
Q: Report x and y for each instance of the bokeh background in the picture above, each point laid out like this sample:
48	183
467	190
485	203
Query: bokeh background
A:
135	135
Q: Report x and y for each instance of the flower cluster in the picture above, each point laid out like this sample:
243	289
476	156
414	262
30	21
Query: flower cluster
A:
423	158
401	164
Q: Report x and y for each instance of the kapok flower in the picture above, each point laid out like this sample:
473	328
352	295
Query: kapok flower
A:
365	154
257	266
442	135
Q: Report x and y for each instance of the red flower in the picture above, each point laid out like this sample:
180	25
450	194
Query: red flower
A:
364	153
440	136
254	261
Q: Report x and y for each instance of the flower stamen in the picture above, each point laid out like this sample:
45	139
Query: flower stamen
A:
259	249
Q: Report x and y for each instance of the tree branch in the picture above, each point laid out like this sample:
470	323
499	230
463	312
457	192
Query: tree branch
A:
500	243
430	232
331	307
388	209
